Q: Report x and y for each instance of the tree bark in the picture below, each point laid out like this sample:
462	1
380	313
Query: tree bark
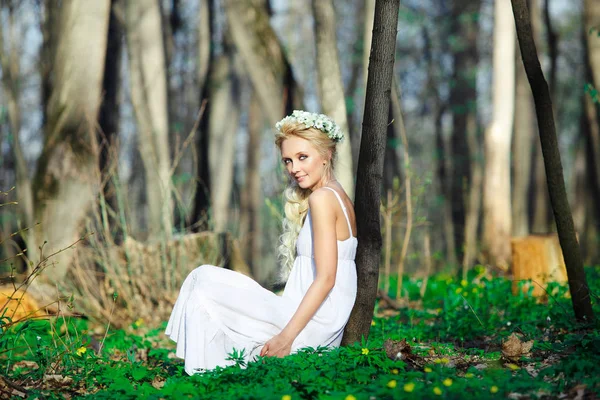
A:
591	40
591	14
250	198
541	209
331	89
264	59
522	149
66	178
108	117
206	27
463	98
10	64
473	215
224	121
558	198
442	151
355	82
497	213
50	27
370	167
149	98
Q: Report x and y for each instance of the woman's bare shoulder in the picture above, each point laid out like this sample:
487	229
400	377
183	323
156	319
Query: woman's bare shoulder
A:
322	198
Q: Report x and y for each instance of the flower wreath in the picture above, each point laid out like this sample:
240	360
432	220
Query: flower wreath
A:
313	120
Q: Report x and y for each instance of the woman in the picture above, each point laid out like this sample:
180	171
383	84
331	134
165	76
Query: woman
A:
219	310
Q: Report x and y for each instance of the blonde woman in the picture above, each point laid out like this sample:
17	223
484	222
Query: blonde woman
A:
219	310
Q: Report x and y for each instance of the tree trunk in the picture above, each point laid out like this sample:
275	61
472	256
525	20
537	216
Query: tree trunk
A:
224	120
442	151
522	150
331	89
473	216
540	212
591	40
65	181
108	119
556	185
591	15
463	98
50	27
250	198
497	213
369	12
10	64
355	81
540	201
581	191
206	27
370	167
264	60
149	98
396	131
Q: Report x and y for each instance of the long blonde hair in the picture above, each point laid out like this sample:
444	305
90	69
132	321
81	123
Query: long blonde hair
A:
296	198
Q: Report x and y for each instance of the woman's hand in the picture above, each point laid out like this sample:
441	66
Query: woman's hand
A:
277	346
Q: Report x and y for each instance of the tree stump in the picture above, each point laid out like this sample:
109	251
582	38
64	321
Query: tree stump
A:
539	258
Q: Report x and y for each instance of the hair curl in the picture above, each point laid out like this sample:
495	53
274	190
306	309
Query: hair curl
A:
296	198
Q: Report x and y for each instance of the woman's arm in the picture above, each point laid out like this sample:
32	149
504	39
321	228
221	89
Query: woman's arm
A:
321	205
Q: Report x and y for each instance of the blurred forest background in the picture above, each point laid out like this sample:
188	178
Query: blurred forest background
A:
146	127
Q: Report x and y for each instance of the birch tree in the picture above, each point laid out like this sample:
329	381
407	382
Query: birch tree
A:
66	181
497	212
331	89
263	57
147	70
223	124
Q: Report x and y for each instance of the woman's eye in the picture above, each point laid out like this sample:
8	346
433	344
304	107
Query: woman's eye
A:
302	157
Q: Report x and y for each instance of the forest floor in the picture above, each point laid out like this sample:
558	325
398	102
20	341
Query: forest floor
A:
464	339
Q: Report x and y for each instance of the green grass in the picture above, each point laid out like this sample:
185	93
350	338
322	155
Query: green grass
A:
455	332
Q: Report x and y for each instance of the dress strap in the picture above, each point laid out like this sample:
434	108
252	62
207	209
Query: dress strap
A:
343	209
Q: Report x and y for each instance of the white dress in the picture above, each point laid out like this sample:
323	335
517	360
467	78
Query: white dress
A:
219	310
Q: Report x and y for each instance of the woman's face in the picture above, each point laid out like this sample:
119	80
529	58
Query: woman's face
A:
303	162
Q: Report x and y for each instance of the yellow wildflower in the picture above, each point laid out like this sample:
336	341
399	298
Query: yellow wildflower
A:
409	387
80	351
373	323
395	371
444	360
447	382
437	361
512	366
350	397
469	375
138	322
494	389
286	397
437	391
427	369
464	283
458	290
365	351
392	384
